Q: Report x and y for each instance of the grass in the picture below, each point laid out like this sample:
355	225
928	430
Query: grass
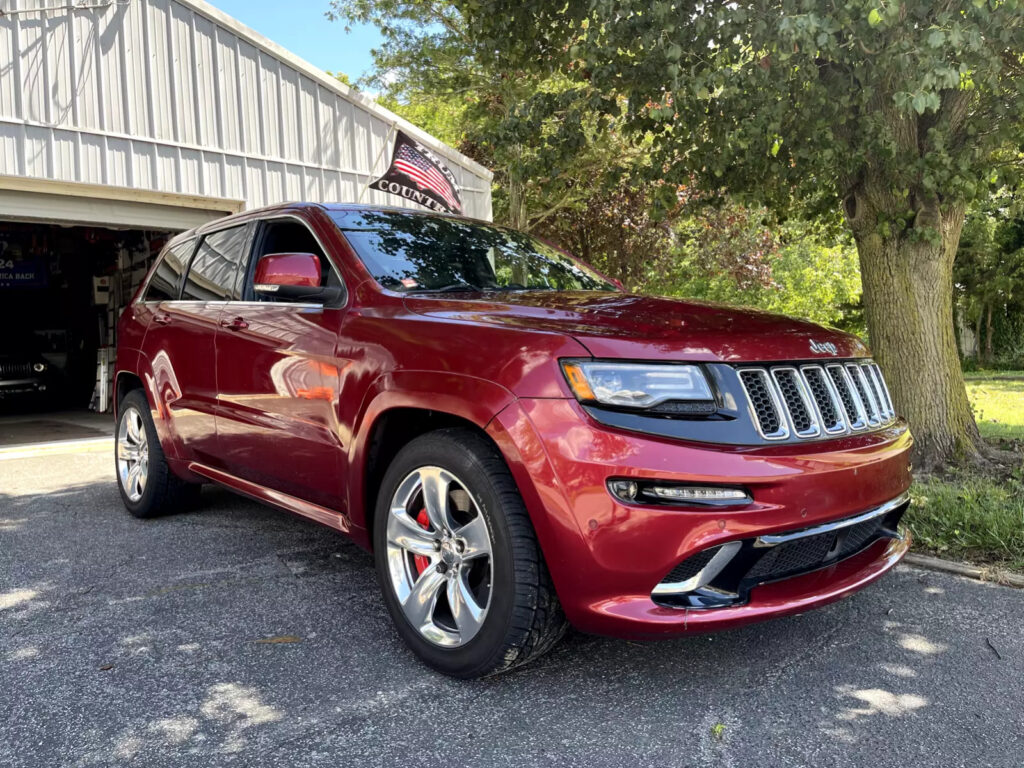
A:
970	517
998	402
974	516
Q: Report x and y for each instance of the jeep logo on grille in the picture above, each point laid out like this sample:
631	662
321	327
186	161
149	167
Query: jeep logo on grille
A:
824	347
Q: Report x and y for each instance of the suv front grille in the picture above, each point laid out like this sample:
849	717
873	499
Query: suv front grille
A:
15	370
804	401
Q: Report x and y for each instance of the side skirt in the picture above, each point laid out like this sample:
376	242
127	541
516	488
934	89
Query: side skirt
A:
322	515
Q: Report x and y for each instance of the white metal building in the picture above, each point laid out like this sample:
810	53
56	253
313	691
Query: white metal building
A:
131	119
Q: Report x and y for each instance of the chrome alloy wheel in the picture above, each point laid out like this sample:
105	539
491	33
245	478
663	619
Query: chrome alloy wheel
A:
439	556
132	454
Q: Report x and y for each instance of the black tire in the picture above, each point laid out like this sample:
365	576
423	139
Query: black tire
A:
524	618
164	492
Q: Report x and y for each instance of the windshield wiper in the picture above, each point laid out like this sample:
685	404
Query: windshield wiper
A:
446	288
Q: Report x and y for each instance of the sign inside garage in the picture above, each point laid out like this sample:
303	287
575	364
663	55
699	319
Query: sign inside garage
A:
23	273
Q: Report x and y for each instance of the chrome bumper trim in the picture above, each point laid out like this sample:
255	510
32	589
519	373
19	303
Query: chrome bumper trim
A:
704	575
773	540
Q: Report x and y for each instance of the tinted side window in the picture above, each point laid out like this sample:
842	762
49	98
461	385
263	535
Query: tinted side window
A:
163	286
212	274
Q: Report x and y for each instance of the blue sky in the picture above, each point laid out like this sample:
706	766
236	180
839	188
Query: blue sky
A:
301	27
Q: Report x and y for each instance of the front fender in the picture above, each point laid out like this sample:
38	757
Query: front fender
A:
467	397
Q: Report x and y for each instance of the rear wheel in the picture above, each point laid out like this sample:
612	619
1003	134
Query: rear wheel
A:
458	561
148	487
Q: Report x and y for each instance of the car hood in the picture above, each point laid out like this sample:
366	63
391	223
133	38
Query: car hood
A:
620	325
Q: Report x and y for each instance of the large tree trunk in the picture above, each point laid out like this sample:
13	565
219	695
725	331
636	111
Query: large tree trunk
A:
908	297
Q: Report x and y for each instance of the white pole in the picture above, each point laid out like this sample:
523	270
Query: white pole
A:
376	162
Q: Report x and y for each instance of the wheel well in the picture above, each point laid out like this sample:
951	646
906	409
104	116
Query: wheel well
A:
391	432
126	382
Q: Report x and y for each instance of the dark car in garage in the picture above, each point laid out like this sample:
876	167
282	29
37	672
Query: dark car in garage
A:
25	375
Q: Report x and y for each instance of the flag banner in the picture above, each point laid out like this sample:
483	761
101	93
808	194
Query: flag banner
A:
419	175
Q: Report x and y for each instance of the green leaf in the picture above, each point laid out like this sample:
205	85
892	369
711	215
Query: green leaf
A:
875	17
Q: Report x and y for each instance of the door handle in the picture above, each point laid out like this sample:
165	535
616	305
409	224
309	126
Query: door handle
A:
163	319
235	323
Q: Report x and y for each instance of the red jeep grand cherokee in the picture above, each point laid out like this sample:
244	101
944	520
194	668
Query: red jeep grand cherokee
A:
519	442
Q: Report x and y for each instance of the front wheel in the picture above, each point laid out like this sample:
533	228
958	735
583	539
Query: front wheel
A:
458	561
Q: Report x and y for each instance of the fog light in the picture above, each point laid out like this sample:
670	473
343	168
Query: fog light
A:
699	494
623	489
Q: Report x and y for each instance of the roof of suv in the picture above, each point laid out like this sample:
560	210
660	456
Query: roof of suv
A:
255	213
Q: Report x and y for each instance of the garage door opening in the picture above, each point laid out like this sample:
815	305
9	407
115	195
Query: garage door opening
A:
62	289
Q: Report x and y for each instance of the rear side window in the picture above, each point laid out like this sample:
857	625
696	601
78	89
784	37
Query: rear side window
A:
212	274
163	286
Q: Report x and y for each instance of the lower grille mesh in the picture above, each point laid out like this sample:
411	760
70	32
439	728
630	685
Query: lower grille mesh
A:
808	553
690	567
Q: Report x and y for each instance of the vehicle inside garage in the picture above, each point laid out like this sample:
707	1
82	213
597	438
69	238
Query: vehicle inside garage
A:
62	289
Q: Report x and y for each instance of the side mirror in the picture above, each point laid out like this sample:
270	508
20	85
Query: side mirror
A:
618	283
292	277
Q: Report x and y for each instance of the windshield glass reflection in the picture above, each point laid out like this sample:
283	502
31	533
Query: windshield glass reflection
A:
417	253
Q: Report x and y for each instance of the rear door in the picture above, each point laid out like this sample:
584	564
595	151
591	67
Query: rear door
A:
181	337
279	379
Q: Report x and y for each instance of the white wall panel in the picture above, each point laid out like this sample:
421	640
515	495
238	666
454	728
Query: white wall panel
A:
64	163
119	156
175	96
144	163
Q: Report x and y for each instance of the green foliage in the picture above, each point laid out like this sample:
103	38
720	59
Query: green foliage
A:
734	256
989	277
432	71
970	517
344	79
898	103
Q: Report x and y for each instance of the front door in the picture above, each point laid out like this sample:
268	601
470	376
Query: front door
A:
279	381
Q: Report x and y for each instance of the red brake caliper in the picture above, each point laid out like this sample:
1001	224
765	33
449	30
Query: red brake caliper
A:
422	561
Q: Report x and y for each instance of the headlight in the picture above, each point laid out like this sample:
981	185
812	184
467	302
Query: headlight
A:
39	367
638	385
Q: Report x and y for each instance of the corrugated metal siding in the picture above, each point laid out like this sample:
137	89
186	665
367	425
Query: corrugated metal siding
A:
173	96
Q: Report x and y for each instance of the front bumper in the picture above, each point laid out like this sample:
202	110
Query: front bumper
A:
20	387
607	557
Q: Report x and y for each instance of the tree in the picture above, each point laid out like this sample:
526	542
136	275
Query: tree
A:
431	71
733	255
989	277
895	113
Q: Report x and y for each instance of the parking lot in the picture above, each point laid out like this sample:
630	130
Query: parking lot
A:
238	635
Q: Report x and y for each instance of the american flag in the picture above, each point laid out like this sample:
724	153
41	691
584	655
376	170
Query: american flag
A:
424	174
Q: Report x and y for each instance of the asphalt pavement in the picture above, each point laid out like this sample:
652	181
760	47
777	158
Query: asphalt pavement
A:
240	635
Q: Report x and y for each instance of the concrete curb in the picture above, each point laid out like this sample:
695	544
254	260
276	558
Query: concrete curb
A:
994	575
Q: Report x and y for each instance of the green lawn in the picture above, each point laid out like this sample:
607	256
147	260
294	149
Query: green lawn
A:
998	401
975	517
965	517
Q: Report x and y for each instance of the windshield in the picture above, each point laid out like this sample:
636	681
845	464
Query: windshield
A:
412	253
